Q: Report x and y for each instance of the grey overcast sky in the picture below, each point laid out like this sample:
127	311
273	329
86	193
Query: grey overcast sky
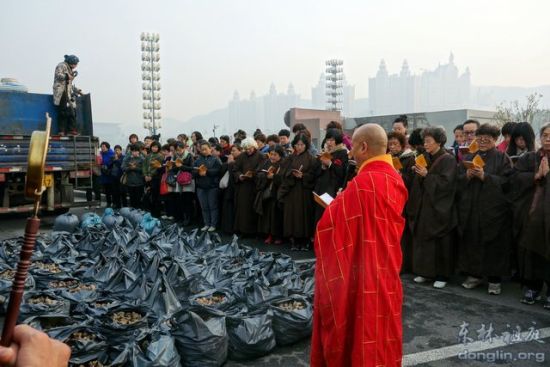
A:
209	48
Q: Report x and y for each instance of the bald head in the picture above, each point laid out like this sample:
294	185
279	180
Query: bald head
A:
375	137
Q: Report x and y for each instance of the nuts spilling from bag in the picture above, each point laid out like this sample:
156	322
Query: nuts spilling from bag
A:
83	287
212	300
102	304
292	305
44	300
52	268
63	283
126	318
7	274
82	336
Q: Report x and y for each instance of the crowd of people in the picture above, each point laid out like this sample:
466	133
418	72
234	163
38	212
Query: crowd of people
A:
478	208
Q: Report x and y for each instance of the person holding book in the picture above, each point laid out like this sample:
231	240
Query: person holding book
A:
331	165
296	194
484	213
430	210
268	180
357	318
244	176
206	171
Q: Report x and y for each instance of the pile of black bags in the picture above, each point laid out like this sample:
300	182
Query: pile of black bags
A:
128	290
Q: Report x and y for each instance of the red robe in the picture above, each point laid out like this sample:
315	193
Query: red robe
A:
358	293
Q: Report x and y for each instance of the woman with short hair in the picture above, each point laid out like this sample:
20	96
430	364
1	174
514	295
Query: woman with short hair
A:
484	213
296	194
244	176
431	212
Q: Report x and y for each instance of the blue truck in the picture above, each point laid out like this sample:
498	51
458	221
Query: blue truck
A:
71	162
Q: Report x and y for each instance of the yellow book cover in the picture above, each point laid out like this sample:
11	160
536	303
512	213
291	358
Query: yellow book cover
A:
421	161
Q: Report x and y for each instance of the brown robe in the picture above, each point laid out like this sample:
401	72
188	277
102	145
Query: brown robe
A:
531	200
245	192
407	174
485	217
297	197
271	219
432	217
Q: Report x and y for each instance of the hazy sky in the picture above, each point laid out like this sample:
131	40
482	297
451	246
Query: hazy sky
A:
211	48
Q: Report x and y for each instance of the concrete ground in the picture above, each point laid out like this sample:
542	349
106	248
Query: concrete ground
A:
500	330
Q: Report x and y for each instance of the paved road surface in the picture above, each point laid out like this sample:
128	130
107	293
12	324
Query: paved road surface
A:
432	322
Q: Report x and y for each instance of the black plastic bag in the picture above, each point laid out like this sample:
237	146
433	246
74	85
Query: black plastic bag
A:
258	295
97	307
83	292
48	322
124	323
201	337
293	323
250	336
43	302
157	350
219	299
86	342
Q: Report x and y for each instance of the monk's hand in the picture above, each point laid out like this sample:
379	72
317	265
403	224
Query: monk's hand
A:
421	171
469	173
270	175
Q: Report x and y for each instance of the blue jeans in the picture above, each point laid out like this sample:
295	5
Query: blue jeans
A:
208	198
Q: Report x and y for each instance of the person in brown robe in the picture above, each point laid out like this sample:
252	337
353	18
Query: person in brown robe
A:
330	169
484	213
531	183
268	180
397	144
431	211
244	176
296	194
228	193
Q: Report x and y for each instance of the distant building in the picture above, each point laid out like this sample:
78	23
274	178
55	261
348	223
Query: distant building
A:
440	89
265	112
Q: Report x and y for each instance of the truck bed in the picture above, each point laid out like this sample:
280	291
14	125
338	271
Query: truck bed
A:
64	153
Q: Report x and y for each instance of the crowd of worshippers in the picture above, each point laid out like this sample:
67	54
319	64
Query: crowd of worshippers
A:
478	208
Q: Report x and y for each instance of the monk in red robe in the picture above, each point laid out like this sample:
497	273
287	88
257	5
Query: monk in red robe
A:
358	293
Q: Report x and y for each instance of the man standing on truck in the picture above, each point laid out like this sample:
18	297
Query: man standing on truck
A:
64	95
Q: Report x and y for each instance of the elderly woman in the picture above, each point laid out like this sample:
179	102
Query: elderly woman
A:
484	213
532	185
330	170
296	194
244	176
431	210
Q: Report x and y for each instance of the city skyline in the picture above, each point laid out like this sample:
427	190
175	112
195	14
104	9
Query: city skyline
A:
212	48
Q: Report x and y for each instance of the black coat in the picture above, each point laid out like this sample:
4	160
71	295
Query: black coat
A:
485	217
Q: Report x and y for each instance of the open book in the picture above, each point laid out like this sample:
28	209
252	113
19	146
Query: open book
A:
323	200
